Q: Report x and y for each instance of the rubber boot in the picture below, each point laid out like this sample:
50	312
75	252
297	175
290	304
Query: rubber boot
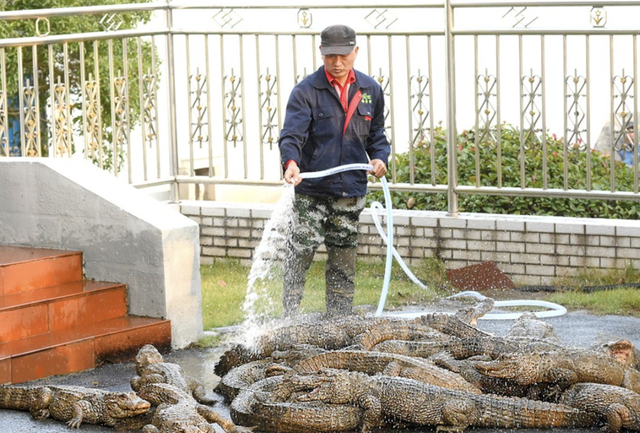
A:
294	278
339	274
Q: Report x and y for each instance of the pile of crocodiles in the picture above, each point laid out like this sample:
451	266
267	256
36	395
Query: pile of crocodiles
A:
164	400
438	370
362	373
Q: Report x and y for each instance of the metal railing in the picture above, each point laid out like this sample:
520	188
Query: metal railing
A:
171	93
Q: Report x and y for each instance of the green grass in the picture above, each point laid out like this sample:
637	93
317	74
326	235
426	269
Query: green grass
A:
224	287
620	301
625	302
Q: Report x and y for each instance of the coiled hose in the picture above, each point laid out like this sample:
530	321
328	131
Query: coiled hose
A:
554	309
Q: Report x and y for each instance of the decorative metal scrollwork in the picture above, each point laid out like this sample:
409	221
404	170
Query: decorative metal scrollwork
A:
31	126
380	18
43	33
623	110
61	119
227	18
576	87
598	16
111	22
301	77
519	16
234	115
92	114
120	137
5	146
198	107
269	110
385	84
531	114
305	18
150	108
487	112
420	109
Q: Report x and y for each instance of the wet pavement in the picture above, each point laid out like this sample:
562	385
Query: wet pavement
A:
574	329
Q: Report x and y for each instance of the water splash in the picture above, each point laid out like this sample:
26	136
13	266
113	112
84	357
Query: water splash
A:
267	267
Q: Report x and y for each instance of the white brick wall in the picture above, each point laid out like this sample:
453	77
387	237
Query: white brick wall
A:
530	250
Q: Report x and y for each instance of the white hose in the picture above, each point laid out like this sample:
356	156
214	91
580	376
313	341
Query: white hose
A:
555	309
334	170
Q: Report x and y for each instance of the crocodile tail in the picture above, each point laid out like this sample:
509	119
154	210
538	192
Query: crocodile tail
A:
513	412
21	398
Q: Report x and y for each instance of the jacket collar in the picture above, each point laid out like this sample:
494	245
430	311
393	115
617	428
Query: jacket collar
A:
319	80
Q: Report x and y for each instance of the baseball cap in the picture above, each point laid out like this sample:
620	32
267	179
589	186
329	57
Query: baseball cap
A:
338	39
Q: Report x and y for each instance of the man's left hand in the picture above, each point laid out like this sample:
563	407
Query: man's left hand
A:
379	168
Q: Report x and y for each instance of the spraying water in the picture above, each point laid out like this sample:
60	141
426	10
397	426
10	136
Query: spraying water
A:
267	267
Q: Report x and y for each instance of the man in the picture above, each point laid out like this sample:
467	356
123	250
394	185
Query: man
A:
626	151
334	117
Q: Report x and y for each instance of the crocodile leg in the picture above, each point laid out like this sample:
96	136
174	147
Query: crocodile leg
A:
79	408
214	417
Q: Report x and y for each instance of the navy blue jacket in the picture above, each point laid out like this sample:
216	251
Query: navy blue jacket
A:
312	134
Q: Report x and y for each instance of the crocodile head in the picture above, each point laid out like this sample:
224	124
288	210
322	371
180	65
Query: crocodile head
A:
146	356
525	369
182	426
330	386
621	350
125	405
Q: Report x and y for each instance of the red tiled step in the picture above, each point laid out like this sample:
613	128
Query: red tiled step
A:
80	348
23	269
58	307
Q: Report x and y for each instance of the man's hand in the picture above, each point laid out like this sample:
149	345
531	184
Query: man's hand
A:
379	168
292	174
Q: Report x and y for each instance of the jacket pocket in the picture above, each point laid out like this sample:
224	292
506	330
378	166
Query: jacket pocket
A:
362	122
323	125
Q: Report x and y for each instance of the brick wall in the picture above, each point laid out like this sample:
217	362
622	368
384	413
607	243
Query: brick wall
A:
530	250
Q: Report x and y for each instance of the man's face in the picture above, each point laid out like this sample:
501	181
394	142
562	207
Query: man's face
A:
629	135
339	66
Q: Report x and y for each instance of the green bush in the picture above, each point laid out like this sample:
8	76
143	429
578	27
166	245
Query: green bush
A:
537	159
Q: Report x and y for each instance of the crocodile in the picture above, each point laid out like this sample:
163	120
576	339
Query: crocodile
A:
280	362
328	335
74	404
564	368
467	340
623	351
619	407
404	331
151	368
415	402
528	325
385	363
277	411
494	385
178	412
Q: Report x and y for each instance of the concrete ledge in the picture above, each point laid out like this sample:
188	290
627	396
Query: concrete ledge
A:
126	236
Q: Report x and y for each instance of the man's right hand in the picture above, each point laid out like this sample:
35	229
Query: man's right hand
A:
292	174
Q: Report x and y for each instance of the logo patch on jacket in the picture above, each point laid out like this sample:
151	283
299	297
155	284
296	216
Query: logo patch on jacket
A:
366	98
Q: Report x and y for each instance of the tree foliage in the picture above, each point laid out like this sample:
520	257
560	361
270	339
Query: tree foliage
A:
520	166
65	59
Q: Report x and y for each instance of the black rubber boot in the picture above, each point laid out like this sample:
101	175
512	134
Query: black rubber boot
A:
294	278
339	274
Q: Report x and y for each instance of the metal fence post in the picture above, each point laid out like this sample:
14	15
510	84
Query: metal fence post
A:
451	113
174	193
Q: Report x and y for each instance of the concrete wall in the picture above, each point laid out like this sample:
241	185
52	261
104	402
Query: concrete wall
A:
125	235
530	250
